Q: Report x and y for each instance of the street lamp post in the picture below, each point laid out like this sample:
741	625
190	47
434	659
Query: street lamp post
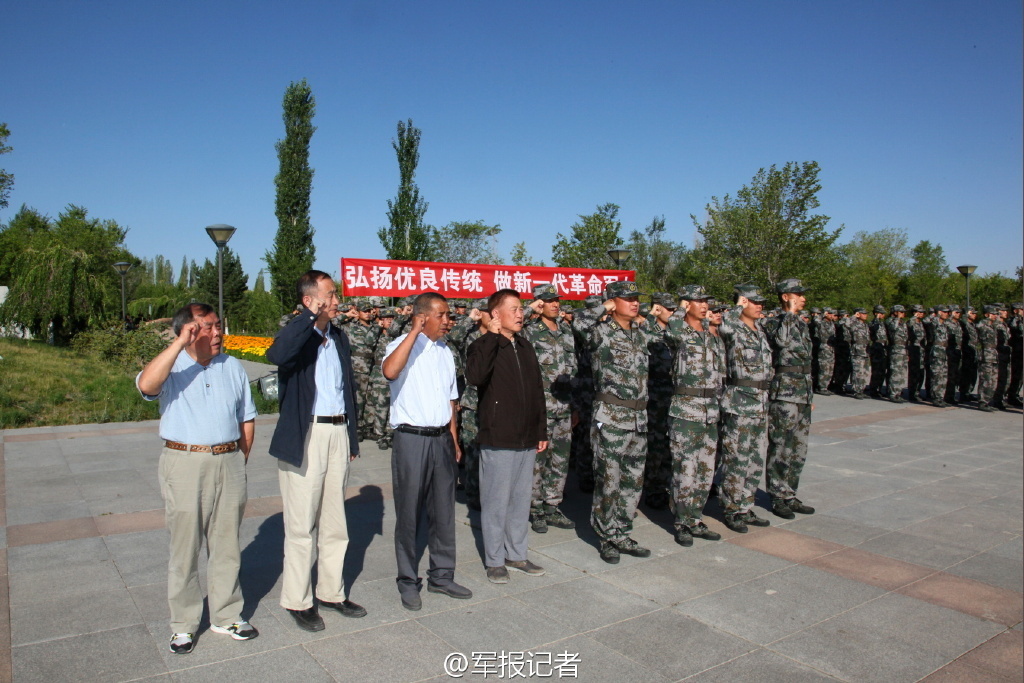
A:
619	255
122	268
967	271
220	234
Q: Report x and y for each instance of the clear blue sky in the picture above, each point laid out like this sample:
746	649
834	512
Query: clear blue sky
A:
163	116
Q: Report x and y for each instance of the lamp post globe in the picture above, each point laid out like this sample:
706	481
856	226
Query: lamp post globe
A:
619	255
122	268
220	234
967	271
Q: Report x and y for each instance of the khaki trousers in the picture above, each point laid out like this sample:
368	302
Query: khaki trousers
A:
313	496
204	496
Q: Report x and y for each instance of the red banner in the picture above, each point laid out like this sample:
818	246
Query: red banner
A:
373	277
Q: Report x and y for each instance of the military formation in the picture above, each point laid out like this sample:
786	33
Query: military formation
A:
687	398
947	355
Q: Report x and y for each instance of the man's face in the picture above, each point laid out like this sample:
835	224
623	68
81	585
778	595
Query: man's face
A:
715	317
919	314
796	301
510	314
753	309
627	307
972	316
551	309
326	296
385	322
665	314
861	316
436	324
900	315
943	315
696	310
207	343
1004	314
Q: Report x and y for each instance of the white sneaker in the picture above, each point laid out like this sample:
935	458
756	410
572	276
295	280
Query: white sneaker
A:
181	643
240	630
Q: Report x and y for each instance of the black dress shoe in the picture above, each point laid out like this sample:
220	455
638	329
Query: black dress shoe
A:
411	601
452	590
347	608
307	619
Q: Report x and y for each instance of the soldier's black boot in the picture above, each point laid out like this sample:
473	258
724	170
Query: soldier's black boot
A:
538	520
631	547
796	506
684	537
781	509
754	520
554	517
609	553
736	522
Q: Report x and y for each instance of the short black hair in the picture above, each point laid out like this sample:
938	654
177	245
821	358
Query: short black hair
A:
494	300
424	302
188	313
308	282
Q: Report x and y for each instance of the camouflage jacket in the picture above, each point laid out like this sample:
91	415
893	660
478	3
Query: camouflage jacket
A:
879	333
659	378
970	334
556	354
860	337
1003	344
988	342
459	338
619	360
898	335
791	347
748	358
916	333
1016	327
939	339
698	368
363	338
823	334
956	336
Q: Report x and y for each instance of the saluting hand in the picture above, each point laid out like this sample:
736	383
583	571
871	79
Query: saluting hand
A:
494	326
189	332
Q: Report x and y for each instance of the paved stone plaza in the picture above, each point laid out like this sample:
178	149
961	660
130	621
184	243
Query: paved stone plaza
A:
911	569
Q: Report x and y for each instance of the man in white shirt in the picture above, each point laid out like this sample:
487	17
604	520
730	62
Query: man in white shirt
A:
425	449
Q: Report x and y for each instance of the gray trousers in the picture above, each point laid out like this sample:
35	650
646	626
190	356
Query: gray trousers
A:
506	485
423	471
204	496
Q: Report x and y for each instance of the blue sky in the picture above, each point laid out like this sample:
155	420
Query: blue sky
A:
163	116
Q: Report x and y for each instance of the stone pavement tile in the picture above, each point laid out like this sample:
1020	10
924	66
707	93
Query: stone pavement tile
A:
285	664
671	644
583	556
760	665
594	662
502	623
959	672
141	558
992	569
49	491
1003	655
849	463
107	462
785	544
48	619
585	603
874	570
954	491
1012	550
151	601
834	529
30	472
890	639
117	655
60	570
892	511
474	577
130	522
917	550
405	651
692	573
126	503
969	596
964	527
51	512
851	489
772	607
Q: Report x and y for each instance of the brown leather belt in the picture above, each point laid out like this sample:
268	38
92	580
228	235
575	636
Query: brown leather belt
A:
605	397
216	450
327	419
759	384
802	369
699	393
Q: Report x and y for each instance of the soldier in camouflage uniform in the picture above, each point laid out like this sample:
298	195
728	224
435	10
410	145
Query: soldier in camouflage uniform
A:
878	353
1005	351
953	354
938	356
860	341
789	401
744	437
658	469
841	374
378	403
582	450
697	372
1016	326
823	336
362	334
968	354
619	353
917	341
555	346
898	339
988	358
461	336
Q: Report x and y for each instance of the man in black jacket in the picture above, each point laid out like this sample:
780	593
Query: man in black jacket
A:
314	440
513	429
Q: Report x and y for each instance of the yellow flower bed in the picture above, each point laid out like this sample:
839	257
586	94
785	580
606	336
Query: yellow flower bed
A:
257	346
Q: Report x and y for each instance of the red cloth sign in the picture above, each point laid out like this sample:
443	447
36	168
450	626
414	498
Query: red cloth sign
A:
375	277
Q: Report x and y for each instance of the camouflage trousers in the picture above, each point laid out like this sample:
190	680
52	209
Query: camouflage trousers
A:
938	366
693	467
898	373
582	449
968	372
879	367
362	398
1016	381
988	376
552	465
658	468
619	456
788	427
861	373
915	372
468	429
952	376
744	440
823	366
378	407
841	371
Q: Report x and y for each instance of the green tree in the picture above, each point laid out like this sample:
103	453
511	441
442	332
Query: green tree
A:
768	232
987	289
407	237
876	263
521	257
591	238
59	271
235	285
928	281
655	259
6	179
293	251
262	310
467	242
183	274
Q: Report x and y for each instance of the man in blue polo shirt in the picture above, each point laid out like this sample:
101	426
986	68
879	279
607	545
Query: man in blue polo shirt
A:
207	424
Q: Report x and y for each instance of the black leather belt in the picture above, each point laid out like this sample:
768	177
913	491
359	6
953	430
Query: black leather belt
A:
759	384
802	369
699	393
614	400
328	419
422	431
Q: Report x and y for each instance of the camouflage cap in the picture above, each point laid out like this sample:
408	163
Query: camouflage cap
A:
366	306
378	301
898	308
830	310
567	308
971	309
991	308
1018	306
621	290
592	300
406	301
718	307
942	308
791	286
645	309
841	311
859	310
694	293
546	292
879	309
1002	306
917	308
665	300
458	303
954	307
479	304
387	312
815	310
750	292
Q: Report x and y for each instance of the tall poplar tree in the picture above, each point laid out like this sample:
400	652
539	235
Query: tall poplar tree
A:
293	251
407	237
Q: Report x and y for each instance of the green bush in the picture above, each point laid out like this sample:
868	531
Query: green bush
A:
130	350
